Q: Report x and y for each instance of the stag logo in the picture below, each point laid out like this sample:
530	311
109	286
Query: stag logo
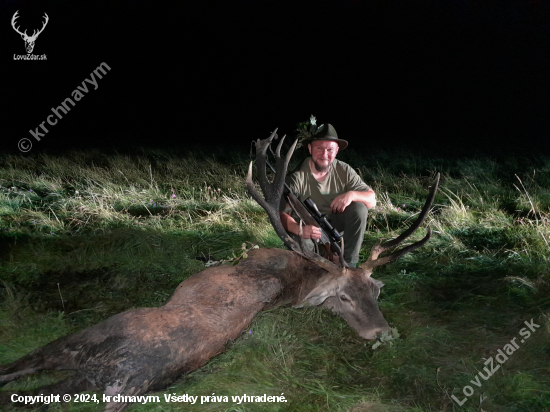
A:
29	40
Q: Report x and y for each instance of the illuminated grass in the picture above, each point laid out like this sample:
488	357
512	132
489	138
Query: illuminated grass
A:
107	233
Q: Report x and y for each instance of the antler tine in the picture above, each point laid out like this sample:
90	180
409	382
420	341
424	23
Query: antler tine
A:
272	191
427	206
278	151
15	16
397	254
261	158
379	248
43	26
341	254
281	166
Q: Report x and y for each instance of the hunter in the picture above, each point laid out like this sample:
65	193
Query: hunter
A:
337	190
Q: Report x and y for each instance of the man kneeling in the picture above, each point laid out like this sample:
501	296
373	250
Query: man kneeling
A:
336	189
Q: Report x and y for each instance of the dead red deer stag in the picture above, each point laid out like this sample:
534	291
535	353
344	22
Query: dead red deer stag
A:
146	349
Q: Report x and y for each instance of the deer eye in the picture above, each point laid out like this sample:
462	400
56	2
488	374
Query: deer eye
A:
344	297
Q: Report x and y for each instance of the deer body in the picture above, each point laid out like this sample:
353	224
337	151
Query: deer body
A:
144	349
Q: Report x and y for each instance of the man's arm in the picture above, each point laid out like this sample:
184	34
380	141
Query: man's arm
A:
291	226
342	201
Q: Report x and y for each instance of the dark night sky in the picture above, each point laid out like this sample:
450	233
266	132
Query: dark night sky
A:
467	74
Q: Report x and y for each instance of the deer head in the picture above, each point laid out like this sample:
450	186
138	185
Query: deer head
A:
29	40
350	292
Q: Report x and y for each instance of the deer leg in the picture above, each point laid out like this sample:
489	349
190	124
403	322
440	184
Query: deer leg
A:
4	379
27	365
54	356
31	363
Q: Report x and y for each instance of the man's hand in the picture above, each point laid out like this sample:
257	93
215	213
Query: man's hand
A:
311	232
290	225
342	201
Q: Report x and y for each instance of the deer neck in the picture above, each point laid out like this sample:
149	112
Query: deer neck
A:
295	275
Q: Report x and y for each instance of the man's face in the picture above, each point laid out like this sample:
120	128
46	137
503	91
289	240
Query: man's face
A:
323	153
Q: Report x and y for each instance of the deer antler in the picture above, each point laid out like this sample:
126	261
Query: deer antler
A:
35	35
273	193
35	32
374	261
15	16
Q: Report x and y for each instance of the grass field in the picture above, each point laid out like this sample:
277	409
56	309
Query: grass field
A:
85	235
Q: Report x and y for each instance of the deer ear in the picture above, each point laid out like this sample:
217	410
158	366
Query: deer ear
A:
378	283
319	294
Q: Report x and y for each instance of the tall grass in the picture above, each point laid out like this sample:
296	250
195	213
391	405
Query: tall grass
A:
85	235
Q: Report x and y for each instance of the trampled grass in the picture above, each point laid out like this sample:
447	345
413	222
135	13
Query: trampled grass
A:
85	235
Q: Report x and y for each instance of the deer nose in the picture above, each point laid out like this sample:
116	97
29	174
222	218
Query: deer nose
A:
371	333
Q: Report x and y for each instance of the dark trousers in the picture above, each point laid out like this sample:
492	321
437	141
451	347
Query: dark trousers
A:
352	222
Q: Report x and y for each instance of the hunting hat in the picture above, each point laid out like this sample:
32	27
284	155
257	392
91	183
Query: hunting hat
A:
327	132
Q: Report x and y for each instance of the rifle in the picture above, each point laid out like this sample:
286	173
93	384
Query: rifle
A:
308	212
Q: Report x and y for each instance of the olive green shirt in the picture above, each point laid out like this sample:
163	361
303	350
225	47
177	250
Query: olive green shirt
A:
341	178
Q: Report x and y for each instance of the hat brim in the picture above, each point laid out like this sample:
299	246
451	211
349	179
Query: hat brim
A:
342	144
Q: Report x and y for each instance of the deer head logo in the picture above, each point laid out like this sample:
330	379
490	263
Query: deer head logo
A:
29	40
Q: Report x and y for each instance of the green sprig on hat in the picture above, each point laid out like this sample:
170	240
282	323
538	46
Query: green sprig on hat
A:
307	130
